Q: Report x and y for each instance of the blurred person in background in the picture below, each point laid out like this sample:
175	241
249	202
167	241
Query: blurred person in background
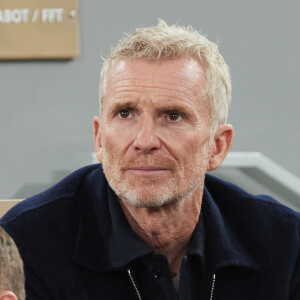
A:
12	285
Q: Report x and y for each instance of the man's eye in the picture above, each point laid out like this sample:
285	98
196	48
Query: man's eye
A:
174	117
124	114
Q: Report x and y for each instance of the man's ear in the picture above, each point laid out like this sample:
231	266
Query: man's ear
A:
222	142
97	139
8	295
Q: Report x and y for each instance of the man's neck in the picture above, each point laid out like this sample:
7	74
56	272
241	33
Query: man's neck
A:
166	229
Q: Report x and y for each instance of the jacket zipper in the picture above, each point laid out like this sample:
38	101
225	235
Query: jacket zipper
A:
134	285
139	295
212	287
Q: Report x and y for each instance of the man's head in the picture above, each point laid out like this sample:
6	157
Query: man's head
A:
11	269
163	43
165	93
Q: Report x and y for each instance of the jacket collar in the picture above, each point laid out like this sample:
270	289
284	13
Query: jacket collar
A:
105	240
223	238
124	244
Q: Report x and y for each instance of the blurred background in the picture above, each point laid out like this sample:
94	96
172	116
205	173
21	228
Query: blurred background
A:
46	107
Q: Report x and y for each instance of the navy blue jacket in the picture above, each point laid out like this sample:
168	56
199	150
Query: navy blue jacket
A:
67	239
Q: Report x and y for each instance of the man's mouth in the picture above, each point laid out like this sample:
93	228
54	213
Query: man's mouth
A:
147	170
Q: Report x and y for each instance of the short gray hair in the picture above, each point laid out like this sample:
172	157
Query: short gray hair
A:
164	42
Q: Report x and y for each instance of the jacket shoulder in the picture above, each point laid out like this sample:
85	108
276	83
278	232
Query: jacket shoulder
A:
65	189
229	196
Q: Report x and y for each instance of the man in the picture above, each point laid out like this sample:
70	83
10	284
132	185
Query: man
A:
153	225
11	270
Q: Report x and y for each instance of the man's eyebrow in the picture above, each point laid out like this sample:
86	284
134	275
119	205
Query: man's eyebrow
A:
121	105
179	108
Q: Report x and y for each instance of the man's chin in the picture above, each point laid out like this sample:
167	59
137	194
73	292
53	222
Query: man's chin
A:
147	197
147	202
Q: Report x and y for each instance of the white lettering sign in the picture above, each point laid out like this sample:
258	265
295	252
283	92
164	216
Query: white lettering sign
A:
38	29
51	15
18	16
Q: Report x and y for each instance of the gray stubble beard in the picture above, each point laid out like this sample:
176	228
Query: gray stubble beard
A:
156	196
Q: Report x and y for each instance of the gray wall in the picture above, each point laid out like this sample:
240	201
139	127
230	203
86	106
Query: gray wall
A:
46	107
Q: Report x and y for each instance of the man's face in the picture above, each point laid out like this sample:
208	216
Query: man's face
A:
153	136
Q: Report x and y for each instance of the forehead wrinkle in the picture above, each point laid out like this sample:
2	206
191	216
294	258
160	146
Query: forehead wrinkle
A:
145	83
165	91
135	72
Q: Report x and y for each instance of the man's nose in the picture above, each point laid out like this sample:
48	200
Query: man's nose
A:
146	139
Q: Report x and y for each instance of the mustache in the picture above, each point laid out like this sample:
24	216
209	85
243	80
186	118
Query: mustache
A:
148	161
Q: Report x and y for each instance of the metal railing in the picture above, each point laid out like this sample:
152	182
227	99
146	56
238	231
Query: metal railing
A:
267	172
